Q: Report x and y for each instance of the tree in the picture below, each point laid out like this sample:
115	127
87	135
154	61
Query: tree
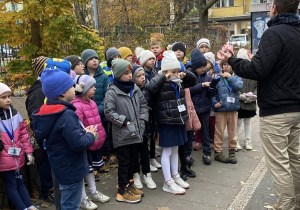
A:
203	6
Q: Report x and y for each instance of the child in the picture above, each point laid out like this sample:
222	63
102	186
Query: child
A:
226	104
138	76
110	54
88	113
247	105
228	48
15	143
171	115
66	141
77	67
91	62
203	45
180	50
156	48
126	54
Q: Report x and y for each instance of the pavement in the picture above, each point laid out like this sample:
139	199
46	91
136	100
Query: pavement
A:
246	185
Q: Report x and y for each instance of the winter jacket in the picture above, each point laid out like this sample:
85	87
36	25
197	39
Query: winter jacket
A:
275	66
119	108
66	142
248	86
201	96
22	140
166	101
223	93
193	123
102	82
88	113
107	70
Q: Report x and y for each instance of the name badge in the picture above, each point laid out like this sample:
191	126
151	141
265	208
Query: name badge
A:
230	100
14	151
181	108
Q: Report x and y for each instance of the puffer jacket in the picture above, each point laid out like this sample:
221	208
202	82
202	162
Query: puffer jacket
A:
223	93
102	82
248	86
166	101
22	140
88	113
119	108
193	123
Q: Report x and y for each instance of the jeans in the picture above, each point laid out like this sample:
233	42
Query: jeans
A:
56	193
142	157
71	195
16	190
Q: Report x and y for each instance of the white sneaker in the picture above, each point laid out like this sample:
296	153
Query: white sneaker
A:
98	196
171	187
149	181
154	163
86	203
137	181
180	182
153	169
238	146
248	144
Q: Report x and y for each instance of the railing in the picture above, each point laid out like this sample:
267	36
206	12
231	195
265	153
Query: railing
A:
7	54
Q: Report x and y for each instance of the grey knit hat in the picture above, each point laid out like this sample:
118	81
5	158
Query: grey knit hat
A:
88	54
74	59
111	52
119	67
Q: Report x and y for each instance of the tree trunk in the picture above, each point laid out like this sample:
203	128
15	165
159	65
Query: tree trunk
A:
35	35
203	22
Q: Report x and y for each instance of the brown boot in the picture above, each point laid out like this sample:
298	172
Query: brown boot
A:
106	166
134	190
221	158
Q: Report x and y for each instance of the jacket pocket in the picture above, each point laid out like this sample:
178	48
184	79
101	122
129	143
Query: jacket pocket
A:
129	132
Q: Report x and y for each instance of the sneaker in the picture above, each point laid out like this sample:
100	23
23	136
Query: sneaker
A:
86	203
154	163
100	197
134	190
206	159
248	144
238	146
197	146
157	154
106	166
153	169
137	181
232	156
221	158
171	187
128	197
48	197
149	181
180	182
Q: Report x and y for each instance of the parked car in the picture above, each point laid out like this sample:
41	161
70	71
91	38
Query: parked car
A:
241	40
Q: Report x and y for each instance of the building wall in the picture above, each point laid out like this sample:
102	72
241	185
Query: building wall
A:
13	7
239	9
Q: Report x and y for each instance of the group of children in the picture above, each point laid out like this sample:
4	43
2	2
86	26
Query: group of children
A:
82	111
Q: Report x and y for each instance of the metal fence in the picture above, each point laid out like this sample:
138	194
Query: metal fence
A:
7	53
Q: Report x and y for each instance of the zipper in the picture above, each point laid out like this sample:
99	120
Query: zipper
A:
178	105
135	116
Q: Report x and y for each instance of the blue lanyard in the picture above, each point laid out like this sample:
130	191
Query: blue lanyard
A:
230	88
131	90
176	91
10	134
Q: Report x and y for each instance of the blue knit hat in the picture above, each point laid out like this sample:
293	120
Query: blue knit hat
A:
87	55
55	82
60	64
197	59
135	70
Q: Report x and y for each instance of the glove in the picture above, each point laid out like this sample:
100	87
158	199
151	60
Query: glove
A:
1	145
30	159
214	82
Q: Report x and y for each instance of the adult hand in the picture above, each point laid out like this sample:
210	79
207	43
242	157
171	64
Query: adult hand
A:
205	84
182	75
218	105
223	56
30	159
92	129
250	55
226	75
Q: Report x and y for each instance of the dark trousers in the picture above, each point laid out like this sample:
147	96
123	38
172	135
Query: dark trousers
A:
152	144
204	120
107	146
189	143
142	157
126	156
16	190
56	192
182	155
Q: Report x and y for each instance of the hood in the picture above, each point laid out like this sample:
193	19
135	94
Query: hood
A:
43	120
98	71
37	84
285	18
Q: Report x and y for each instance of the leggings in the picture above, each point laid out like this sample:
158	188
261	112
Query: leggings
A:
169	162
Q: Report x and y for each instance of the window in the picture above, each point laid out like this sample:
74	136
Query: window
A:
261	1
224	3
14	7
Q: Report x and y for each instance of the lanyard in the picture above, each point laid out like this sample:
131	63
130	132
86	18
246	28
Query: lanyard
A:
10	134
230	88
176	91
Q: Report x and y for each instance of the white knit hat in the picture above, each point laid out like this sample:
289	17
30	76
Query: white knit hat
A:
4	88
138	50
144	56
203	41
169	61
210	57
242	53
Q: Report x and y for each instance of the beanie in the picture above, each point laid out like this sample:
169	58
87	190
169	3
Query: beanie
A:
111	52
203	42
119	67
135	70
87	55
74	59
210	57
60	64
228	47
125	52
197	59
4	88
144	56
242	53
55	83
169	61
38	64
138	50
179	46
83	83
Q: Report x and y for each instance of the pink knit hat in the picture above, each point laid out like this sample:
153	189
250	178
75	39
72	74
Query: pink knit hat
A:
228	47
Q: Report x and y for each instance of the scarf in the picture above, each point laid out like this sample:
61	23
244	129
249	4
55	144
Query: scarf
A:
124	86
285	18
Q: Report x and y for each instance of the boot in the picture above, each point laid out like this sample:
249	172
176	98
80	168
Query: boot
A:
232	156
221	158
248	144
183	176
187	171
106	166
